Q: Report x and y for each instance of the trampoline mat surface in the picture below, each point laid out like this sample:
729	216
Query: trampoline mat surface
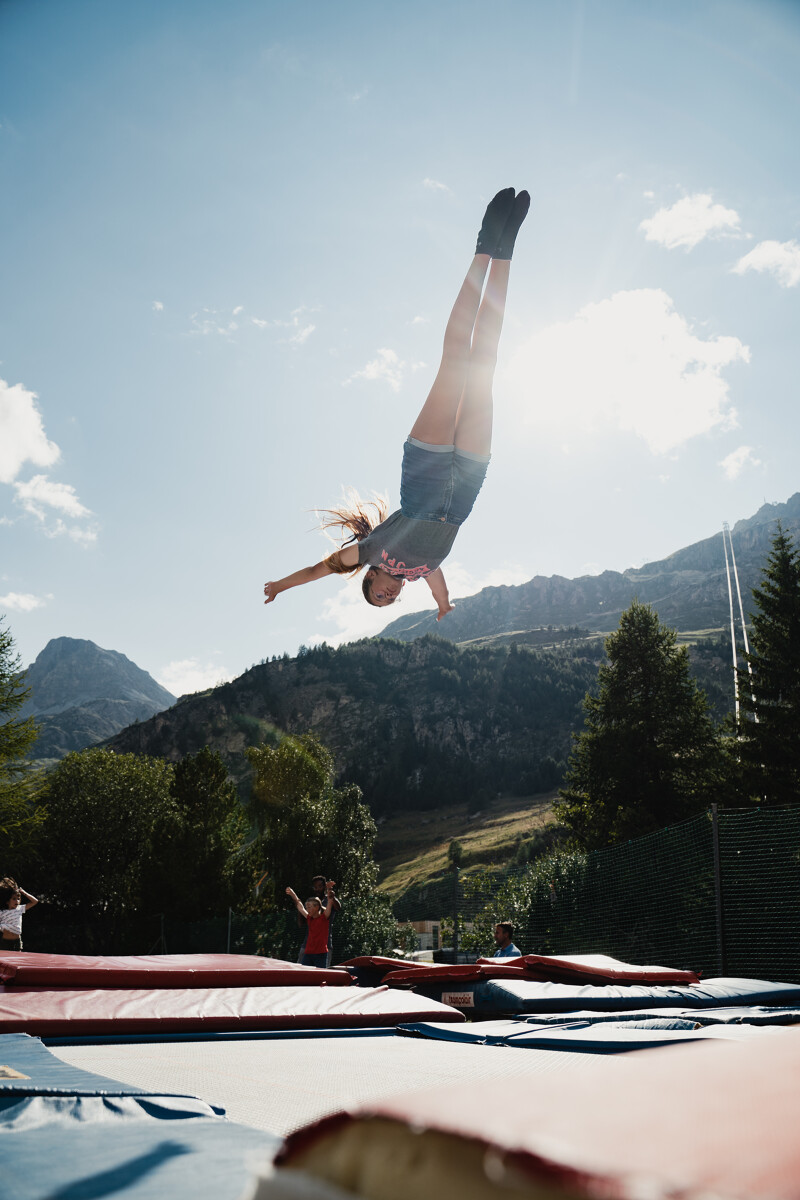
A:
281	1084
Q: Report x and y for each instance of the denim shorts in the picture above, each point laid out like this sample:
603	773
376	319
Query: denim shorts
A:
440	483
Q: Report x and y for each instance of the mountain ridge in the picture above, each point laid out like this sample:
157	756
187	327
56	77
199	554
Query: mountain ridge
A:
688	589
82	694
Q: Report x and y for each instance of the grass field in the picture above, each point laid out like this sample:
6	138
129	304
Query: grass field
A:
412	848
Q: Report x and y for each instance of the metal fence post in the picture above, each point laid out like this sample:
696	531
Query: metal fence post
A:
455	914
723	963
230	914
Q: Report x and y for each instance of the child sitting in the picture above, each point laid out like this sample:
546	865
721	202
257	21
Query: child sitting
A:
316	951
11	911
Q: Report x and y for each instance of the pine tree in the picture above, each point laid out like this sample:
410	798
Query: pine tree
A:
770	702
19	819
649	753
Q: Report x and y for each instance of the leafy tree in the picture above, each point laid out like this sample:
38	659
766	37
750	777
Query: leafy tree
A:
649	753
19	816
770	703
305	825
102	810
190	874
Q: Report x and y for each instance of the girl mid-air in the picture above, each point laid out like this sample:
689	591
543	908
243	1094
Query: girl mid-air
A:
448	450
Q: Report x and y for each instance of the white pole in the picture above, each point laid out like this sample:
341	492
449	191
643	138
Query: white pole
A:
741	615
733	631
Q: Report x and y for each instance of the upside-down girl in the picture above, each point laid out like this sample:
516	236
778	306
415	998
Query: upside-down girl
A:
448	449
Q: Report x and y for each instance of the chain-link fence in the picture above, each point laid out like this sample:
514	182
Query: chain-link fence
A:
718	893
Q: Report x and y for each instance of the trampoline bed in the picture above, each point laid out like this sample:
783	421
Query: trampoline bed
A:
281	1083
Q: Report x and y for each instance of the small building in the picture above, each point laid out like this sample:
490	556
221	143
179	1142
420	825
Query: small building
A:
428	934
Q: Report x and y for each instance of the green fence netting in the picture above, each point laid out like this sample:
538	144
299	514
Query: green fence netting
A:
664	898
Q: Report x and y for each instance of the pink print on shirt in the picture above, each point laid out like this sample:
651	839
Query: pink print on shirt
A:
393	567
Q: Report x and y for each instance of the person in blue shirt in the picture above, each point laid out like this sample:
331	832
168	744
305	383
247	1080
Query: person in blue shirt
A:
503	935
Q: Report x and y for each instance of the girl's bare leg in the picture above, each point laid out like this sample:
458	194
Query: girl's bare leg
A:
436	422
473	423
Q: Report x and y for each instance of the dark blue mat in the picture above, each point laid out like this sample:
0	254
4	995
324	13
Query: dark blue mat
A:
583	1037
27	1068
516	997
756	1014
87	1148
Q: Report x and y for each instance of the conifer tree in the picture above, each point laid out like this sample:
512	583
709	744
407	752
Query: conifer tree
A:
770	702
649	753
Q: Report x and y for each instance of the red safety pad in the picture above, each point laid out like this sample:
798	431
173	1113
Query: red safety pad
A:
578	968
595	968
224	1009
160	971
379	962
458	973
696	1121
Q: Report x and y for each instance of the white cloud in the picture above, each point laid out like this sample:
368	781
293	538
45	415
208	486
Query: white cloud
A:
21	602
302	335
40	493
781	259
649	195
187	675
433	185
158	306
386	366
735	462
631	364
347	617
207	320
239	308
22	436
295	321
690	220
420	320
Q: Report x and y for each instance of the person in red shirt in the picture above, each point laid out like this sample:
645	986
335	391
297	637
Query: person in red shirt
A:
316	951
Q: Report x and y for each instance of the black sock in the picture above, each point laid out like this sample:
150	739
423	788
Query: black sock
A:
494	221
505	243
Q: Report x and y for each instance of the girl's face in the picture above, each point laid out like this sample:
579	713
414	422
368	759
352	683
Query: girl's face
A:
13	900
384	588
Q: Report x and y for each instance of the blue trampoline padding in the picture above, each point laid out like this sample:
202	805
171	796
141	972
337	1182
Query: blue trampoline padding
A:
525	996
27	1068
582	1036
249	1035
138	1147
756	1014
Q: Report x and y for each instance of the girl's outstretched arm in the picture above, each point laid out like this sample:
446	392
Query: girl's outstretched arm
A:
438	585
349	556
298	903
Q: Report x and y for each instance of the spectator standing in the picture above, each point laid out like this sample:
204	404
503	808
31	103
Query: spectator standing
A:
503	935
318	918
11	911
319	888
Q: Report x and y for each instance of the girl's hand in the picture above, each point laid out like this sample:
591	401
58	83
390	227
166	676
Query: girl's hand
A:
289	892
444	610
271	590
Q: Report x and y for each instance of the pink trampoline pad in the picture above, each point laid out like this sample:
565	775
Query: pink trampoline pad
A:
704	1120
214	1010
160	971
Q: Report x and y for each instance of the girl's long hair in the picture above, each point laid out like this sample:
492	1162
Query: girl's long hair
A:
355	516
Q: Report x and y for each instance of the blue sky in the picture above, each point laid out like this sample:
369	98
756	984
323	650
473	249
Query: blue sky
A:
231	238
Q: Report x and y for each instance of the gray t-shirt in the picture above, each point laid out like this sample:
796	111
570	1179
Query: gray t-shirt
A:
407	547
